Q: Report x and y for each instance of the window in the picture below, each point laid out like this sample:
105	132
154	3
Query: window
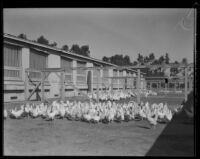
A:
81	73
12	62
38	61
121	81
67	64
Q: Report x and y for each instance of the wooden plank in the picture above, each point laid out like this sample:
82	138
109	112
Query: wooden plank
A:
33	91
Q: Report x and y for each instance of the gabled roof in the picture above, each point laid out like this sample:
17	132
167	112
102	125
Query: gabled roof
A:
62	52
54	49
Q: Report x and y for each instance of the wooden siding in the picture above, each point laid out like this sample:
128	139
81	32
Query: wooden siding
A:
38	61
12	62
81	74
67	64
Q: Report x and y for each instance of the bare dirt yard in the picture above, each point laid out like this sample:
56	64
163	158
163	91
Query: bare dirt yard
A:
35	137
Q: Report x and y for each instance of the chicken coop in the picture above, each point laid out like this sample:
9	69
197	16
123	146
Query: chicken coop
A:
25	63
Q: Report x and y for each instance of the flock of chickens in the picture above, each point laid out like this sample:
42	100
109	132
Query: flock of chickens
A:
119	94
94	112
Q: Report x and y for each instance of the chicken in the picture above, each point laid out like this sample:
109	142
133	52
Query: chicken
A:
16	114
169	115
152	120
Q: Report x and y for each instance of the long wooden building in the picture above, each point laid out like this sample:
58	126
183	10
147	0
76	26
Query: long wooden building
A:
20	54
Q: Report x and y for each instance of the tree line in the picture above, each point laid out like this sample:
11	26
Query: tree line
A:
121	60
75	48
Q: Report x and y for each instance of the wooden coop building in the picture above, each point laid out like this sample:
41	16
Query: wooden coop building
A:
20	55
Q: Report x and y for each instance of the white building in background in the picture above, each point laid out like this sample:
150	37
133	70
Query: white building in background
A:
20	54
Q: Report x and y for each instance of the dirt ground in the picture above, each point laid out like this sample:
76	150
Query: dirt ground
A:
35	137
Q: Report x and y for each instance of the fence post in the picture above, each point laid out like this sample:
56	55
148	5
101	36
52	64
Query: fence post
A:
42	85
98	76
26	86
62	81
138	86
186	83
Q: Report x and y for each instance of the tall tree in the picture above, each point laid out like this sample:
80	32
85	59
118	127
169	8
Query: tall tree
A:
151	57
140	58
65	48
184	61
84	50
106	59
167	58
22	36
75	49
43	40
127	60
161	60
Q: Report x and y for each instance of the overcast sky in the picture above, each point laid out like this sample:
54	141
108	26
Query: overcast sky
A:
109	31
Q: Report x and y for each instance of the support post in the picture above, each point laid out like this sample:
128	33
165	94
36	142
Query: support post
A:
42	85
98	76
138	86
26	86
175	86
186	83
62	89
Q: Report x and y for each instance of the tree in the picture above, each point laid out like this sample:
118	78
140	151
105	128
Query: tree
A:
106	59
127	60
65	47
75	49
161	60
135	63
146	59
22	36
176	62
184	61
53	44
167	58
140	58
43	40
151	57
84	50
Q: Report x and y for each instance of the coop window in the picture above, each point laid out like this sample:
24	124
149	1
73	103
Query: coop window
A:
115	80
38	61
12	62
121	81
81	73
67	64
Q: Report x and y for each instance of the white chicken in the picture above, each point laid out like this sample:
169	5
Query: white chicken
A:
16	113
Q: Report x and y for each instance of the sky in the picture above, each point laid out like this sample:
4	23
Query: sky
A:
109	31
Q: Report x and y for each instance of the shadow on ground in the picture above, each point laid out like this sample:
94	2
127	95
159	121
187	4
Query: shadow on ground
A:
177	139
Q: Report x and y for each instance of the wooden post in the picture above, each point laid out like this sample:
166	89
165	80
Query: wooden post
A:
175	86
42	85
62	89
98	76
150	85
186	83
138	86
26	86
